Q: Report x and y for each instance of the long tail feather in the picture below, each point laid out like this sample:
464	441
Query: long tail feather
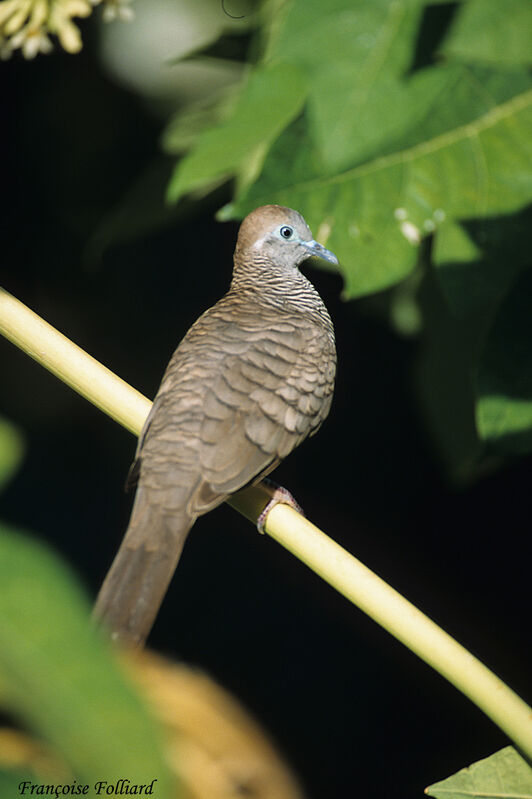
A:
135	585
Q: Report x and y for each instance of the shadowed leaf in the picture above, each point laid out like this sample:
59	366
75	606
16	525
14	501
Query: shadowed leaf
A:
11	451
504	384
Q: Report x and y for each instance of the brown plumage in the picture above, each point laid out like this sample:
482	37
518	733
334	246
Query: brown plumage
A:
251	379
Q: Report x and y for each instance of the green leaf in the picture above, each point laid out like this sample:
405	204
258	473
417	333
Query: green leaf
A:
504	382
385	155
380	158
504	774
389	110
271	98
491	32
58	675
378	212
310	33
11	450
356	100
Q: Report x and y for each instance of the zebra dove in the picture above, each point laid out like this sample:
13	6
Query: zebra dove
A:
251	379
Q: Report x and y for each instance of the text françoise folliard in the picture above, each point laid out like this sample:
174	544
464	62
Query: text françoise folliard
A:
101	788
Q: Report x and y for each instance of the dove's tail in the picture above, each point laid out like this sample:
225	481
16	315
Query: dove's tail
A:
132	592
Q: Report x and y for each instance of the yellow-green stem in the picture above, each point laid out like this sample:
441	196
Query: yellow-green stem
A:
340	569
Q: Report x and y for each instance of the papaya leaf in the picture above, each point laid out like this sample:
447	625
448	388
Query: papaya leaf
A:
381	157
59	677
378	212
356	101
392	148
504	774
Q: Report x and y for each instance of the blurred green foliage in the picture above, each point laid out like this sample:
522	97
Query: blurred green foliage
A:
237	143
57	674
381	139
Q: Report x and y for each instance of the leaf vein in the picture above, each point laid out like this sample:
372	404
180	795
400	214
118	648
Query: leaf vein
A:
467	131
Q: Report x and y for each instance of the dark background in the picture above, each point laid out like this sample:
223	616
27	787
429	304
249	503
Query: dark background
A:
354	712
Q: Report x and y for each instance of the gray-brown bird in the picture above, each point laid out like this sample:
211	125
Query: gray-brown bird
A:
251	379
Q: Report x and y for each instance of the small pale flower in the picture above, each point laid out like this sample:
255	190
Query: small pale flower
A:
118	9
66	31
7	8
26	24
60	22
77	8
6	51
31	41
17	19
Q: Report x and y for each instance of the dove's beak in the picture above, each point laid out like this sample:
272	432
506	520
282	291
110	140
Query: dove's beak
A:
313	248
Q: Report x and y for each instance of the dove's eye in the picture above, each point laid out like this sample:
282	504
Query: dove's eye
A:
286	232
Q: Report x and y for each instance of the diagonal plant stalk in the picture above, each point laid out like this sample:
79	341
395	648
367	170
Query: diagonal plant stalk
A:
320	553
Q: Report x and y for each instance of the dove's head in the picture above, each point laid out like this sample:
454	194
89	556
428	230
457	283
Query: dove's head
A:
277	236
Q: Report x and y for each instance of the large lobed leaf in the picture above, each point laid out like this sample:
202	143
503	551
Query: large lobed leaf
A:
354	55
378	154
381	157
379	211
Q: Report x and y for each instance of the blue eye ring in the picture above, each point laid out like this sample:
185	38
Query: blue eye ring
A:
286	232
